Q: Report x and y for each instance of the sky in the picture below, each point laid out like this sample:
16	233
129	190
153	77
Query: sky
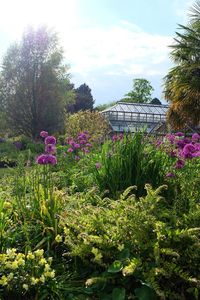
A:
107	43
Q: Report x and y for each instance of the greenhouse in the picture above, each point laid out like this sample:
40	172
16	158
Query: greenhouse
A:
133	117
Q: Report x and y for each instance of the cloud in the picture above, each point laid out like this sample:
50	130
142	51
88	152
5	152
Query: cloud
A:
121	49
181	9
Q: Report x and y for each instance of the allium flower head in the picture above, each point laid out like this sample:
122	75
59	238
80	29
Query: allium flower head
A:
50	140
195	137
42	159
70	150
43	134
98	166
45	159
179	164
179	134
170	175
50	149
52	160
188	151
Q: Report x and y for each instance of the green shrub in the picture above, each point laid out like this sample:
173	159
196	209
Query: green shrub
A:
135	245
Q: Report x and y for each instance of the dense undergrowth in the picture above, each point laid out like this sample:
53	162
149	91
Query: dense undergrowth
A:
114	221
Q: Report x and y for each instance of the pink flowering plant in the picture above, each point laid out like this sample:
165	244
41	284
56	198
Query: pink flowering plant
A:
183	171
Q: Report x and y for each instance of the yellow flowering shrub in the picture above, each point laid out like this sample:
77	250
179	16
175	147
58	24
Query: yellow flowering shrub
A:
24	271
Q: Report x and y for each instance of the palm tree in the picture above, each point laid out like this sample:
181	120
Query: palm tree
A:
182	83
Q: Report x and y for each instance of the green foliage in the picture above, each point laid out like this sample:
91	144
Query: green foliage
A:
130	161
135	246
34	83
91	121
139	240
83	99
141	92
182	81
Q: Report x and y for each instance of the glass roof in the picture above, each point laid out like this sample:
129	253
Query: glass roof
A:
138	108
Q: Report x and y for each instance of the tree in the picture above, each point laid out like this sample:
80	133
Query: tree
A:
182	83
83	99
141	92
156	101
34	83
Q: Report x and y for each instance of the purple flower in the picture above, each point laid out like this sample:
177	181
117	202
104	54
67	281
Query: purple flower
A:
52	160
179	164
43	134
50	140
170	137
42	159
45	159
76	157
70	150
179	134
195	137
196	154
188	151
82	142
50	149
18	145
85	150
88	145
180	144
98	166
76	145
186	140
173	153
170	175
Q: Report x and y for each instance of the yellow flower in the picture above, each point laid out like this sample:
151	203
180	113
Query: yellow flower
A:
7	205
42	279
34	280
50	274
39	252
14	265
58	238
47	267
25	286
4	280
50	259
10	276
30	255
21	262
42	261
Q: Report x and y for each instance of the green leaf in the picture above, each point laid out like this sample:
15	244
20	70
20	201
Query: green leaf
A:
145	293
118	294
116	267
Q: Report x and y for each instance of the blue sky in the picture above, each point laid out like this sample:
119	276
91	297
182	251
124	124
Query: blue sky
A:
107	43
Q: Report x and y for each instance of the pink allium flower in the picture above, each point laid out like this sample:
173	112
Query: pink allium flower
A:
50	140
50	149
76	145
88	145
195	137
70	150
43	134
179	164
85	150
52	160
188	151
45	159
170	175
179	134
98	166
42	159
